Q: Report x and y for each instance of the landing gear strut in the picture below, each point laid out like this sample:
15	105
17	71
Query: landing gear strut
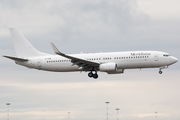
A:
95	76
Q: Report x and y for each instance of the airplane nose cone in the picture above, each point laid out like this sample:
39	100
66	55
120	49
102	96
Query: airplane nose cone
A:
174	60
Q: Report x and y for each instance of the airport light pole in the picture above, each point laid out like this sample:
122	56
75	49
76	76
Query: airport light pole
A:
117	112
68	115
107	108
7	110
155	114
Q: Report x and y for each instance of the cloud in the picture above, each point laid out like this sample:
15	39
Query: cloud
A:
87	26
136	98
71	17
161	9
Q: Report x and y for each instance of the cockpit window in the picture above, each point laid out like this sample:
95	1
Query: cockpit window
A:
166	55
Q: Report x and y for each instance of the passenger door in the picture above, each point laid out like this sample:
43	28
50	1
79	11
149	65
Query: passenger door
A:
156	57
39	63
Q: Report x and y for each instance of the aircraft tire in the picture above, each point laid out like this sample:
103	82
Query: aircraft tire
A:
90	74
160	72
95	76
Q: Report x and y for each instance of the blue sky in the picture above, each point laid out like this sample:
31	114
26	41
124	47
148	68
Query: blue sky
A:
90	26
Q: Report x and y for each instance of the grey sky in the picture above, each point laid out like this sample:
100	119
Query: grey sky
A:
90	26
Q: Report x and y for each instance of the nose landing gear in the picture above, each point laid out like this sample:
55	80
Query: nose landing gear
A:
160	69
160	72
95	76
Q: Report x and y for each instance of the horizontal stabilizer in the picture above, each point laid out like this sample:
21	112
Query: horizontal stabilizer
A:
16	59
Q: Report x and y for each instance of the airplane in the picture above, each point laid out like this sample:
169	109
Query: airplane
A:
111	62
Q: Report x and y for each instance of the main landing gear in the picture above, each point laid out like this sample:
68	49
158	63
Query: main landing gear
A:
91	74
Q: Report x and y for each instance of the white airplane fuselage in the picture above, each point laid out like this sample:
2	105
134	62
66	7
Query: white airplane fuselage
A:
124	60
111	63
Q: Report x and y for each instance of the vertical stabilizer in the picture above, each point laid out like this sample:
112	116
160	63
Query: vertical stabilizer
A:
22	46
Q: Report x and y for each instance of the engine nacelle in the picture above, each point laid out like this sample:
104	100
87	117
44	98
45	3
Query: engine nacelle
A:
108	67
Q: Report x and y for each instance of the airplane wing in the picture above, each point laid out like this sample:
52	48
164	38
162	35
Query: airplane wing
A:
81	63
15	58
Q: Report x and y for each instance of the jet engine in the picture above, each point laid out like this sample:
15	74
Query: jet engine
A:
107	67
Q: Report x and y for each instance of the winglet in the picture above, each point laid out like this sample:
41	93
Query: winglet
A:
56	50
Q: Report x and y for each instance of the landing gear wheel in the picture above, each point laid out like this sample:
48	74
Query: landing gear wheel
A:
90	74
95	76
160	72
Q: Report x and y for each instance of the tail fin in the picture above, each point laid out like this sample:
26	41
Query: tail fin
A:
22	46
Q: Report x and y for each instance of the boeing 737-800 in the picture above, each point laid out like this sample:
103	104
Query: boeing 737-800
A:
111	63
